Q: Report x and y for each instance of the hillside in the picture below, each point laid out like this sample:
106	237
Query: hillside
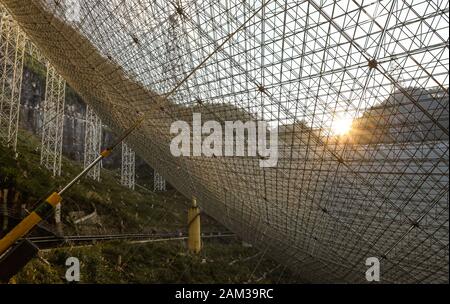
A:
398	119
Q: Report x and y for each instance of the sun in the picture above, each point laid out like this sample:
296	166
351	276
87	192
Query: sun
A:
341	126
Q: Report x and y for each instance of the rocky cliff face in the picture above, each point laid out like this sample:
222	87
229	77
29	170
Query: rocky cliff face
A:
32	97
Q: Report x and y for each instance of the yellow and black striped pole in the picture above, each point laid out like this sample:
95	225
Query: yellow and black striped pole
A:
44	209
47	207
41	212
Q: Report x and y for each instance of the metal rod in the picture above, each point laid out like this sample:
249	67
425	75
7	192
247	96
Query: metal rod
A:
81	174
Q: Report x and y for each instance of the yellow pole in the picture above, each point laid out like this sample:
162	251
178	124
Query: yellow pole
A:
194	238
41	212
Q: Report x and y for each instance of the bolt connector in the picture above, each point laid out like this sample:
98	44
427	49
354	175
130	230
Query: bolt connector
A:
373	63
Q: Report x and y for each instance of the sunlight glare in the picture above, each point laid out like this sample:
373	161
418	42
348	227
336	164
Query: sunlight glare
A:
341	126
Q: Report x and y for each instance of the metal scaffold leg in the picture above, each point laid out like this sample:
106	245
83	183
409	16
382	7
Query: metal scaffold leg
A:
52	128
53	121
128	167
12	48
194	238
33	51
92	142
159	183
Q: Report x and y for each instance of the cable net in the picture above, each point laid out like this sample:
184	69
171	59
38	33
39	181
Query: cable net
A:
337	196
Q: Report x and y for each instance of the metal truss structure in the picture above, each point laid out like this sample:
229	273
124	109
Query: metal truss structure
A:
127	176
159	183
53	121
12	47
92	142
32	51
358	91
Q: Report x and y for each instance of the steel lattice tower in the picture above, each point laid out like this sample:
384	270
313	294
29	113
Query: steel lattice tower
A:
159	183
34	52
128	167
53	121
12	48
92	142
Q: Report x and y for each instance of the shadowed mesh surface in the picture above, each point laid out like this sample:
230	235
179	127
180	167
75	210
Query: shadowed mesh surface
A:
380	190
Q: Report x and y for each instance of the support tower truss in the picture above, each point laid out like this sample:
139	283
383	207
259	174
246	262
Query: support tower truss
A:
33	51
53	121
12	42
128	167
92	142
159	183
